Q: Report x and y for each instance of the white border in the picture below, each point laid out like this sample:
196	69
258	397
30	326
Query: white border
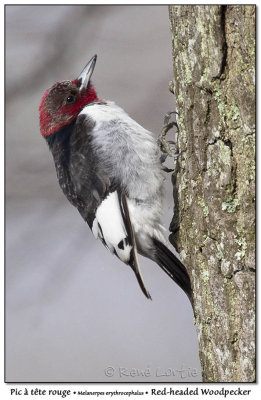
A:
5	389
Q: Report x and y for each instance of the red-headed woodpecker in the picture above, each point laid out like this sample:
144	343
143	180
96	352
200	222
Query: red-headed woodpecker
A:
108	167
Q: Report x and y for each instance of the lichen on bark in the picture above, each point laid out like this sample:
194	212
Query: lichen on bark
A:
214	182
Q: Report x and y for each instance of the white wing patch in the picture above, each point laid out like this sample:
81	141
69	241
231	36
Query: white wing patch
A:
109	227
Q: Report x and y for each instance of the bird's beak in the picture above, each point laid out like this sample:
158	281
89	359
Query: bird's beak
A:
86	73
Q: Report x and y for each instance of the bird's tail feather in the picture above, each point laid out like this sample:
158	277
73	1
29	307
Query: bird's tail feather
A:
173	267
134	262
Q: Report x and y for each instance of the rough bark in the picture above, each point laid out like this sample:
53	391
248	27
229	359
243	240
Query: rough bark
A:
214	183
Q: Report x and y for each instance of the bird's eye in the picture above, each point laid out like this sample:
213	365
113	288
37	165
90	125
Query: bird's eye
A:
70	99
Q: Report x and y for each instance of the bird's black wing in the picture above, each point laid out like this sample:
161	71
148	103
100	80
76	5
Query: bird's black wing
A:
102	201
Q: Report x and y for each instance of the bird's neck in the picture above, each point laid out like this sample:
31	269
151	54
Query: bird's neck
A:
61	136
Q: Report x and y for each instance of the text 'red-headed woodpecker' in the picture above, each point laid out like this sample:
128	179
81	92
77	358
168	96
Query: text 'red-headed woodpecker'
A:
108	167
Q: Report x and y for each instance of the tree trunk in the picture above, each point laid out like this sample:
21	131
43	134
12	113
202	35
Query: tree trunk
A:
214	183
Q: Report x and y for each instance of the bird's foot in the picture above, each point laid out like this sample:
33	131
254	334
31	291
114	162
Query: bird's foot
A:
168	147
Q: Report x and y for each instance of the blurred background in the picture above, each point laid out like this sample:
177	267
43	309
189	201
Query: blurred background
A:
74	312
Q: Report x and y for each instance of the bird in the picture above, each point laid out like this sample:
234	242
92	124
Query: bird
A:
108	166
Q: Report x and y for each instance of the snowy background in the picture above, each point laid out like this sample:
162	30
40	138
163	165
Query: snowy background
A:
73	309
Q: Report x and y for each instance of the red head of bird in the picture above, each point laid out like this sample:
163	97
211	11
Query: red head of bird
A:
62	103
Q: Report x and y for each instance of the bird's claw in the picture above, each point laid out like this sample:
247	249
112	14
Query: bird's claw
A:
167	118
163	143
166	169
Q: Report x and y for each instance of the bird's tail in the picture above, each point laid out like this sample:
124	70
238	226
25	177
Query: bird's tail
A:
173	267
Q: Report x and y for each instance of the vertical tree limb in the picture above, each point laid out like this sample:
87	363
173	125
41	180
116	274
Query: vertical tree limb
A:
214	223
